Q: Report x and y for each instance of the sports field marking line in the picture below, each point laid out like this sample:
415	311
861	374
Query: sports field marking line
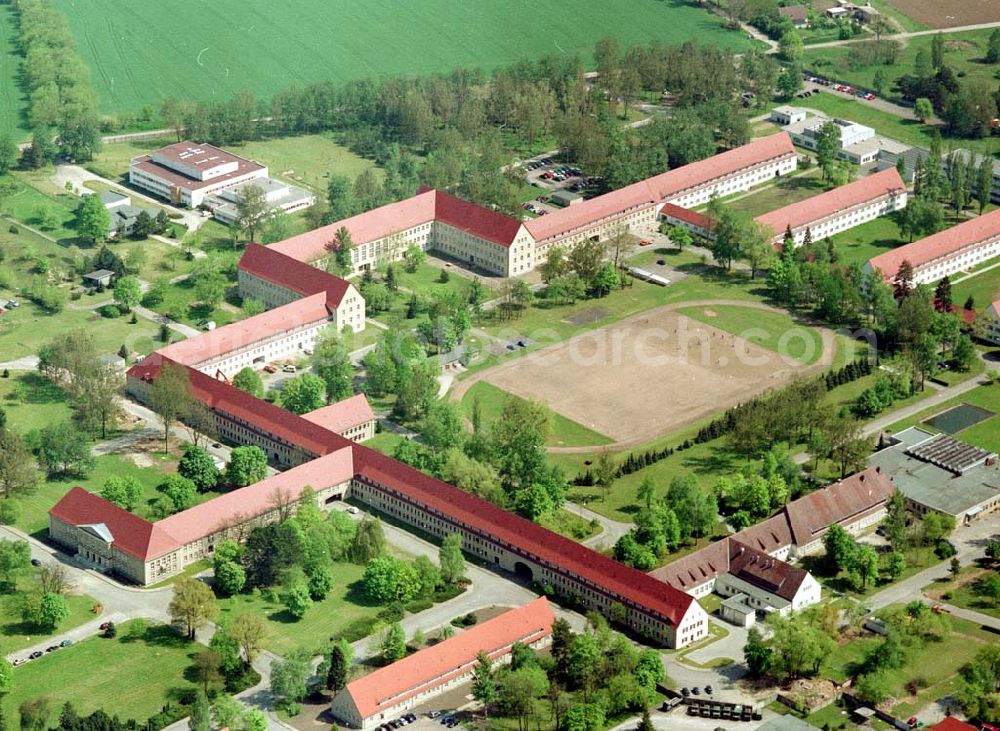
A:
198	59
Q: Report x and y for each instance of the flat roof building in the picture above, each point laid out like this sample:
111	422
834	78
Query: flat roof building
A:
936	472
389	692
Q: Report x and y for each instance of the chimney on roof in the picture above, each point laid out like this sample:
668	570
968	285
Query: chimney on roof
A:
878	469
862	477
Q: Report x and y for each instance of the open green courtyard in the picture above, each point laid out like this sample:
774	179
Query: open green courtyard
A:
133	675
16	634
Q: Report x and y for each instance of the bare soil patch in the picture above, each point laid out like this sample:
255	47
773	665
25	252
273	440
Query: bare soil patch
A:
587	316
942	14
646	375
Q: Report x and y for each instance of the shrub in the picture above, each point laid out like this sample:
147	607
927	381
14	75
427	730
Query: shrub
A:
419	605
14	228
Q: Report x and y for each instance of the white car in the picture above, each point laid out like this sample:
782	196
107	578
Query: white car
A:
352	510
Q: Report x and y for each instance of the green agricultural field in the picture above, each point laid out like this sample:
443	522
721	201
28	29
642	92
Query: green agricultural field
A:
134	676
776	331
15	634
294	44
12	102
563	432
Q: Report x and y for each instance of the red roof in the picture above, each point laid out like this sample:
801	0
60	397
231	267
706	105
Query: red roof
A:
343	415
265	262
129	533
283	424
387	687
950	723
668	185
660	188
939	245
813	210
512	530
862	492
244	333
700	220
426	206
479	221
205	519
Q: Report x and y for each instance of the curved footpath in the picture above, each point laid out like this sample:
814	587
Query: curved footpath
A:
824	362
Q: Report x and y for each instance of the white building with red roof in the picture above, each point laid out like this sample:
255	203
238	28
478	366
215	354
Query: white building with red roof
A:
754	562
953	250
389	692
992	314
352	418
839	209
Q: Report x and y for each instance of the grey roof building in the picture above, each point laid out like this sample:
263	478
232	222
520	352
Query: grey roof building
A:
936	472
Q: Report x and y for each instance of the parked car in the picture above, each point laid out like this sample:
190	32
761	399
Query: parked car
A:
19	661
270	369
708	689
434	714
685	692
35	562
352	510
11	304
52	648
35	655
65	643
696	690
289	369
645	242
105	625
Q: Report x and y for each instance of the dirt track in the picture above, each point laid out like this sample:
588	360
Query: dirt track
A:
648	374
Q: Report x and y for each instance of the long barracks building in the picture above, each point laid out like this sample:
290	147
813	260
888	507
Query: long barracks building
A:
504	246
337	468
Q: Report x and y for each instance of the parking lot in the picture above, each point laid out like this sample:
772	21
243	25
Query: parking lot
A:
550	175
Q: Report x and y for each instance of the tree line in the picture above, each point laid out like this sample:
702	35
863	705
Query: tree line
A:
61	100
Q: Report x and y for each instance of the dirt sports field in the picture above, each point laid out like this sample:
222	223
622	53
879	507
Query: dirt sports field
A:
949	13
648	374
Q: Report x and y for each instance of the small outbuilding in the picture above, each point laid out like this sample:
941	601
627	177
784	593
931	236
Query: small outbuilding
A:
98	278
565	198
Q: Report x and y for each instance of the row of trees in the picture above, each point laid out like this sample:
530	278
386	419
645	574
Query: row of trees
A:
589	678
504	461
57	82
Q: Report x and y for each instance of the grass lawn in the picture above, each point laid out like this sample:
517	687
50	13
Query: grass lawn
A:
306	161
24	330
137	675
563	432
180	304
549	323
777	331
425	282
863	242
319	41
12	101
963	54
33	509
346	603
984	288
984	434
16	634
49	212
960	591
566	523
918	558
385	442
787	190
936	664
31	401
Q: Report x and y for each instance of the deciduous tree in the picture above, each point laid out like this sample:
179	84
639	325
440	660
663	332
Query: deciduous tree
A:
192	605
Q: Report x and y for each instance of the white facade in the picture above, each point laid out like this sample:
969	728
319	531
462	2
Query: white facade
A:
807	594
804	134
184	195
736	182
848	218
785	115
993	326
291	343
